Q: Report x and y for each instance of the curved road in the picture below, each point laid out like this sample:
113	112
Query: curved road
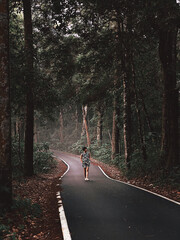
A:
109	210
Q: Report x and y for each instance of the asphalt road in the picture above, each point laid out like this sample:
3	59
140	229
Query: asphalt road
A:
108	210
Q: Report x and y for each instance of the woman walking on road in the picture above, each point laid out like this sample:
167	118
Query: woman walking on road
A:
85	159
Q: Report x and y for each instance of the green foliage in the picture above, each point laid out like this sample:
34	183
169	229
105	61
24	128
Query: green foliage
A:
20	207
101	153
43	159
25	207
77	147
4	229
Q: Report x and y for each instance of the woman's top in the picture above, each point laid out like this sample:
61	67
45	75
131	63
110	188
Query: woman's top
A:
85	158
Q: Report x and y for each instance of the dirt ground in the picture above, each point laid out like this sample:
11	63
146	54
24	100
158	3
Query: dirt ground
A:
40	189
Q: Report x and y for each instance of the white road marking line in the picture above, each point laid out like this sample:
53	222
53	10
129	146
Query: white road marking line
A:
138	187
62	215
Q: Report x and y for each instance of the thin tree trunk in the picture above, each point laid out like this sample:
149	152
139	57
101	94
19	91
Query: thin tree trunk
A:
5	117
167	53
115	128
140	129
99	125
110	138
77	123
146	112
127	121
125	46
61	127
28	161
84	110
20	139
35	132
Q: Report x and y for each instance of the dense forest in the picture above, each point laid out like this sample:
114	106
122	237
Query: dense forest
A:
101	74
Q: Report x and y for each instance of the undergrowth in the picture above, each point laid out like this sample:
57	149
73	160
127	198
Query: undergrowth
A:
42	158
21	210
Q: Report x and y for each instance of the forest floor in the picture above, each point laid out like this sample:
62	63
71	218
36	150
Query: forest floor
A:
41	189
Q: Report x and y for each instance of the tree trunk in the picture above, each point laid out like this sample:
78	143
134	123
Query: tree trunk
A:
28	161
61	127
99	125
127	77
127	121
146	113
35	132
84	110
115	128
77	122
124	37
167	53
5	118
140	129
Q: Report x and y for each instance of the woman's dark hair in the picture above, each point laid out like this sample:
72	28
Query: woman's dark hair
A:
84	148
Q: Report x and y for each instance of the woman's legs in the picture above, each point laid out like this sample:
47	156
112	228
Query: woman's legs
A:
87	172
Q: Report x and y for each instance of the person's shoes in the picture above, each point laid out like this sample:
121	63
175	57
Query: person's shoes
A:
87	179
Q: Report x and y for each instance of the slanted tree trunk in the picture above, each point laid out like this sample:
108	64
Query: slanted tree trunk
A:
5	118
61	127
115	128
28	161
84	111
170	141
99	125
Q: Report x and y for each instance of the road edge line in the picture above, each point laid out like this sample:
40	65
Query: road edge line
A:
143	189
62	215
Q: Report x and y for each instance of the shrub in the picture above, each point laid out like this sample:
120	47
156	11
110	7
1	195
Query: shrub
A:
25	207
77	147
101	153
43	158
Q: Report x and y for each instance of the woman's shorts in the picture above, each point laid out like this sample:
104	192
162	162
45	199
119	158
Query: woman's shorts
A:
85	164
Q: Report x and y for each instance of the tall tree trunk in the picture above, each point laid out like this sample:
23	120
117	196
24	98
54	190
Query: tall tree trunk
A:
127	121
99	125
115	128
127	77
140	128
84	111
61	127
167	53
28	161
5	118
